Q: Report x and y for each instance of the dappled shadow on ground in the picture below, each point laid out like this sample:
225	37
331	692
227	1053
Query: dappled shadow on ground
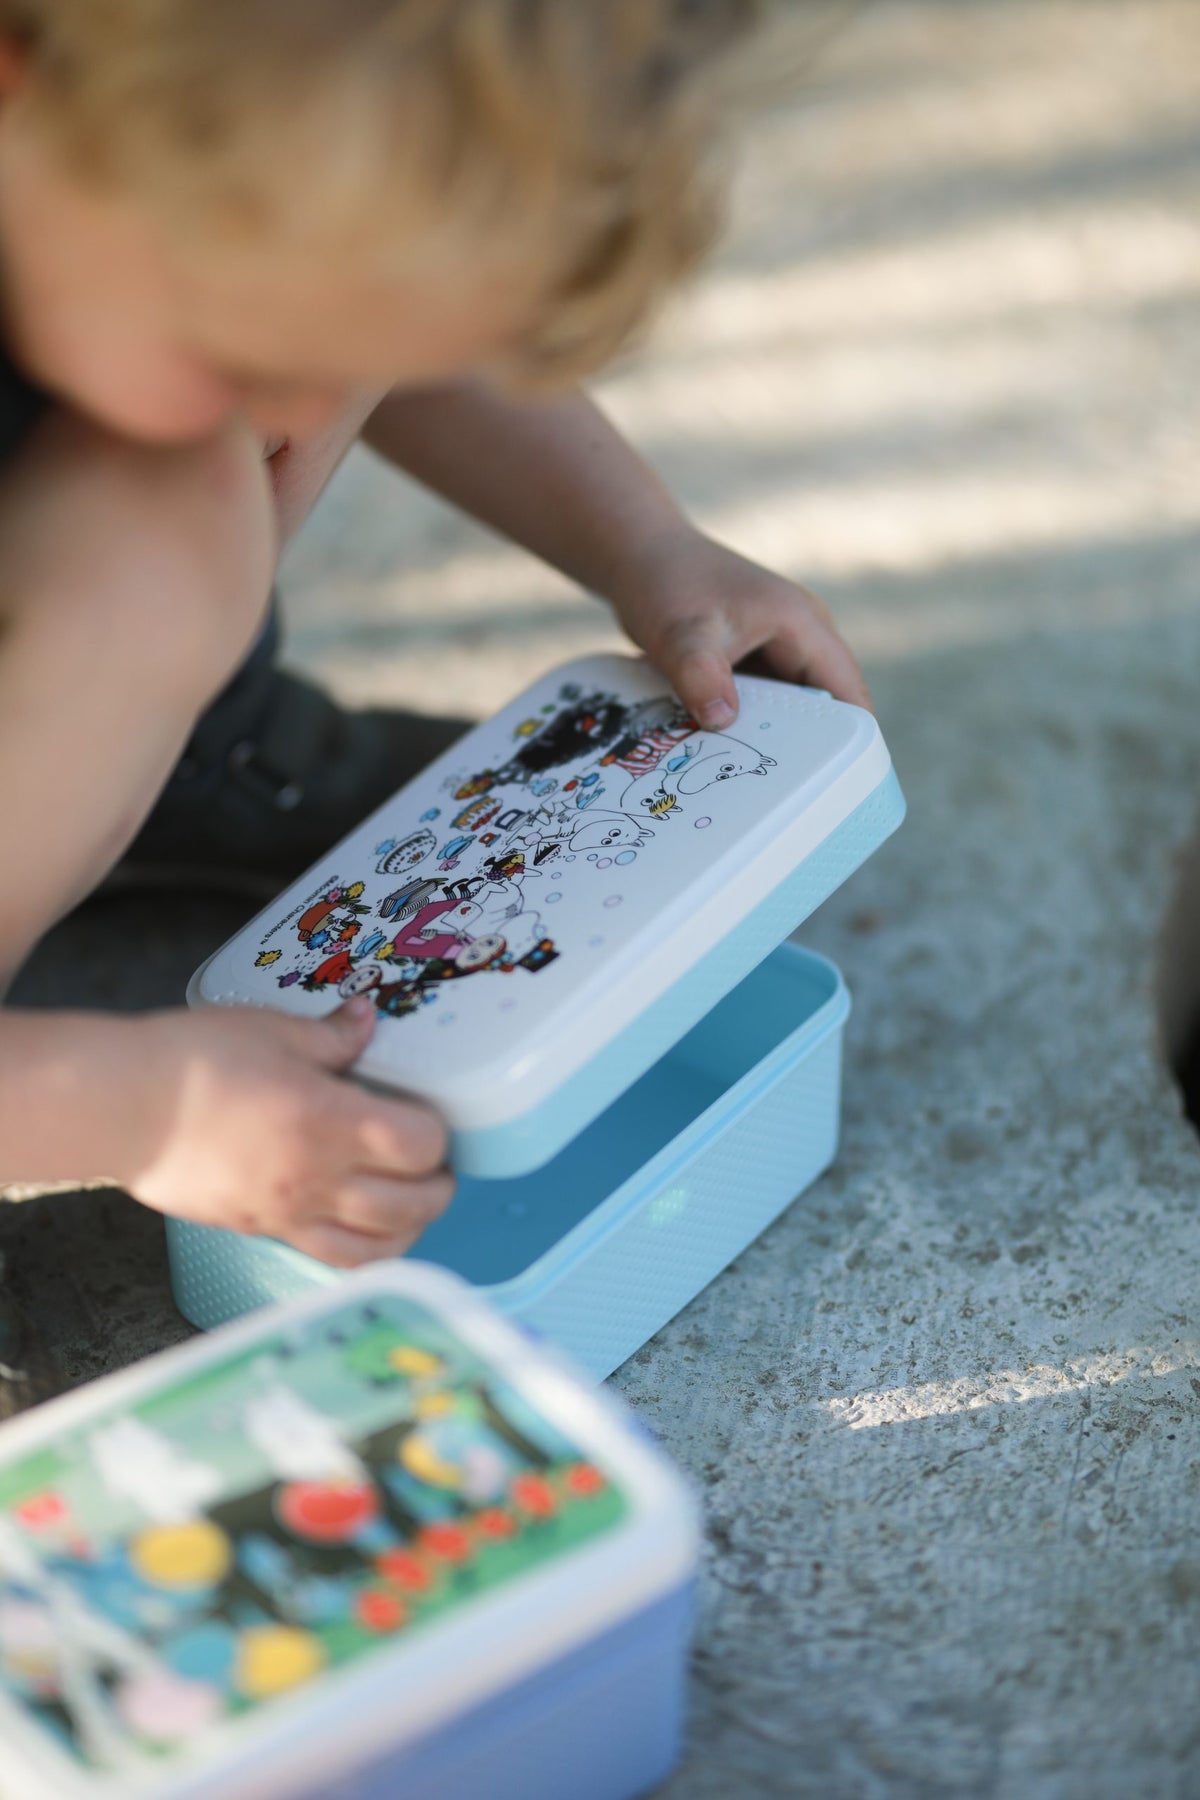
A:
949	341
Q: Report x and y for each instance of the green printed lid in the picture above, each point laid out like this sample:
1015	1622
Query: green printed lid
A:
235	1548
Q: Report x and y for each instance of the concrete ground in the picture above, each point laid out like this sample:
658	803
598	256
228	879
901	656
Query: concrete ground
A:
945	1413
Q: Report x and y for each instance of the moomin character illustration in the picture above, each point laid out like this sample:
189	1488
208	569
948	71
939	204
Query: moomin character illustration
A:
703	758
586	727
590	778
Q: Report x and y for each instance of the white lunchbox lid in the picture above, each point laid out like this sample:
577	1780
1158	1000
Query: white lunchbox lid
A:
523	901
132	1661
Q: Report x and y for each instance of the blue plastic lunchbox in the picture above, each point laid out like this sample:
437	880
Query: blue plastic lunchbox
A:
375	1543
573	929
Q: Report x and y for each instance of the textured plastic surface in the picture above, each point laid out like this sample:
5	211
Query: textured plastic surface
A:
640	1212
553	1734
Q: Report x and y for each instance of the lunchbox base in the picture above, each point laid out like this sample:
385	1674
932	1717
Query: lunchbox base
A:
598	1249
604	1722
523	1144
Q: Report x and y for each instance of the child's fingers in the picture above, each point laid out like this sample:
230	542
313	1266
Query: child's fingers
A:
344	1248
335	1042
391	1210
396	1137
693	654
819	658
371	1216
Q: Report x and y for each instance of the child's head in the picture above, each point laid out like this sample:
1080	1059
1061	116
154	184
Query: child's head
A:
258	205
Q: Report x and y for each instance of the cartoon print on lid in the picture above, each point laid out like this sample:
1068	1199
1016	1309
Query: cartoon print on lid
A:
293	1509
586	774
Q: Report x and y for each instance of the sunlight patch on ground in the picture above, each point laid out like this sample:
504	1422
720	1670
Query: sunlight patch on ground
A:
1006	1387
943	338
1070	254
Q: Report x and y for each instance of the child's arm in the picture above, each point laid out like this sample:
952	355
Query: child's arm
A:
559	479
131	581
233	1118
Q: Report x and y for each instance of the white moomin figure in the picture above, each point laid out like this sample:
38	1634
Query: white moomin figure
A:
299	1443
610	831
143	1466
699	760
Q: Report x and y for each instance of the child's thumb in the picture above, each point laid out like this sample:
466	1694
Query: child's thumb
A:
339	1039
696	662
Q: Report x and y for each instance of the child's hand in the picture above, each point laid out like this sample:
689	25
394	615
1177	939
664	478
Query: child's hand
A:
249	1126
698	610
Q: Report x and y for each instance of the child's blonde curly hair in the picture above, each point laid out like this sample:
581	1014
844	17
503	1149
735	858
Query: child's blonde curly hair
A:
577	132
